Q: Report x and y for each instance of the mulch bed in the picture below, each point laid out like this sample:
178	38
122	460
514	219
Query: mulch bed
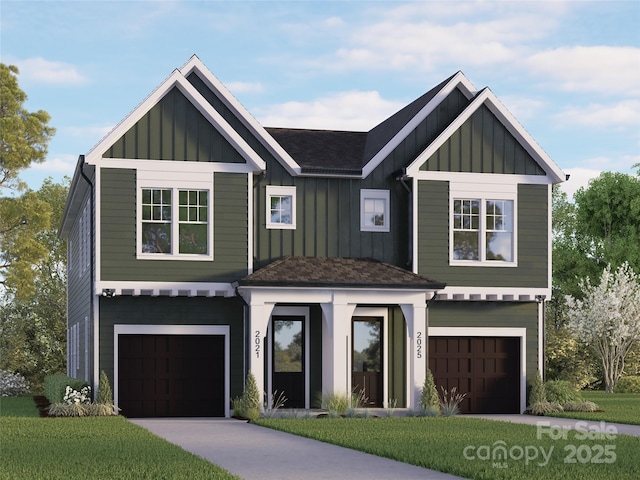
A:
42	403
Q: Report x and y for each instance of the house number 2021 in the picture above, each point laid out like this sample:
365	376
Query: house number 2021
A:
256	342
419	344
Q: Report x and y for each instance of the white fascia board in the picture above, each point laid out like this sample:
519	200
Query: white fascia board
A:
224	94
176	79
487	98
475	179
195	168
459	80
170	289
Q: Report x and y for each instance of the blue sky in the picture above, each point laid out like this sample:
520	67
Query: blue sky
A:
568	71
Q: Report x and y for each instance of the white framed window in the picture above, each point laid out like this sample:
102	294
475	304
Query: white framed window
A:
374	210
281	207
482	231
174	222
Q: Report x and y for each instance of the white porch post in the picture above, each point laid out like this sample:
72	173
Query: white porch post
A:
336	347
259	315
416	318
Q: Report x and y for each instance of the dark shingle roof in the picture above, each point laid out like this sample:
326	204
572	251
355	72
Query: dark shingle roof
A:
337	272
341	152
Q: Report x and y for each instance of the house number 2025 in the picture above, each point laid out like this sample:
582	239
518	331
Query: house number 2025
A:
256	343
419	344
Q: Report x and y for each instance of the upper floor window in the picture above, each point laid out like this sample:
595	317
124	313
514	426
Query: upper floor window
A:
281	207
374	210
482	231
174	222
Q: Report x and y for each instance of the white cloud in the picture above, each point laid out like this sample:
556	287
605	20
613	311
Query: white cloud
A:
622	114
579	177
523	108
334	22
245	87
39	70
354	110
90	132
602	69
63	163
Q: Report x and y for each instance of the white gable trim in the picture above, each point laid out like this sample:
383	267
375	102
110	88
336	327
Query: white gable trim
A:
195	65
487	98
459	80
176	79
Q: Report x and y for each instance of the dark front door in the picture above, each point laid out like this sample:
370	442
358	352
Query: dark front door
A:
171	375
288	361
366	370
487	369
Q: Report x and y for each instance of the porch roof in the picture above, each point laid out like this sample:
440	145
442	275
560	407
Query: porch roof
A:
337	272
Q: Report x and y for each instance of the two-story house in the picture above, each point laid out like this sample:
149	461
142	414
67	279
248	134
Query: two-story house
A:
203	246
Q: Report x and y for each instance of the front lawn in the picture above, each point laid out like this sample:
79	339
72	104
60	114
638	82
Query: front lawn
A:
477	448
92	447
617	408
18	407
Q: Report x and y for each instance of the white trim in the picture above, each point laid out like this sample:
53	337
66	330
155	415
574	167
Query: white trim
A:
488	99
174	166
171	289
174	181
177	80
479	179
493	332
375	194
290	312
459	80
383	313
250	213
499	294
280	191
224	330
97	224
195	65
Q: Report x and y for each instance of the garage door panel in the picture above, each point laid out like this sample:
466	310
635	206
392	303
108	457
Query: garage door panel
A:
171	375
485	368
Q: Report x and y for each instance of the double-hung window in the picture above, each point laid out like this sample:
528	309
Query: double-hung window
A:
482	231
174	223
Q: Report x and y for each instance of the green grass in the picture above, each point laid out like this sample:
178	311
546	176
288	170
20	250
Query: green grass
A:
439	444
617	408
95	448
18	407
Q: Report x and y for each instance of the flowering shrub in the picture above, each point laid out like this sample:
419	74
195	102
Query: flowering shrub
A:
12	384
72	396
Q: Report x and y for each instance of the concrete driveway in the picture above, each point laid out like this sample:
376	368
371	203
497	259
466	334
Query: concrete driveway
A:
258	453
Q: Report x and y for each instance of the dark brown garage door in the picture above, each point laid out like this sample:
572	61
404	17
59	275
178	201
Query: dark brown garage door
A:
171	375
487	369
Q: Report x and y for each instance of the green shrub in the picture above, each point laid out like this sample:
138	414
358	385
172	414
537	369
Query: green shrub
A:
12	384
544	408
248	405
582	406
105	395
627	385
561	391
68	409
538	393
55	386
429	395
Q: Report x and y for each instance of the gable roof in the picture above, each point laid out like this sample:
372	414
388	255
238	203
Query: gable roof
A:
178	80
337	272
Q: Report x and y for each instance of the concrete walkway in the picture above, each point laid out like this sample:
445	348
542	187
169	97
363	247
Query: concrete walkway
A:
584	425
258	453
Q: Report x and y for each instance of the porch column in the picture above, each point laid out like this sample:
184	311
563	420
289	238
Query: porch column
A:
336	346
259	315
416	318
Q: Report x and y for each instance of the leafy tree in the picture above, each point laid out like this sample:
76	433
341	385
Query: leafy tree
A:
24	137
608	318
608	213
33	326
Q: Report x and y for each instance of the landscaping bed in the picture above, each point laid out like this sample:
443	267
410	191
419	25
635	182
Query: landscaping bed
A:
613	407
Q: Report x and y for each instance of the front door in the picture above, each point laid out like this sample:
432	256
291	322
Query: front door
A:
288	360
366	371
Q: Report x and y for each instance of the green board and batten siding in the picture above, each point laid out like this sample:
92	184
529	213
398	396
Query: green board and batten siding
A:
533	248
175	311
492	315
118	233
